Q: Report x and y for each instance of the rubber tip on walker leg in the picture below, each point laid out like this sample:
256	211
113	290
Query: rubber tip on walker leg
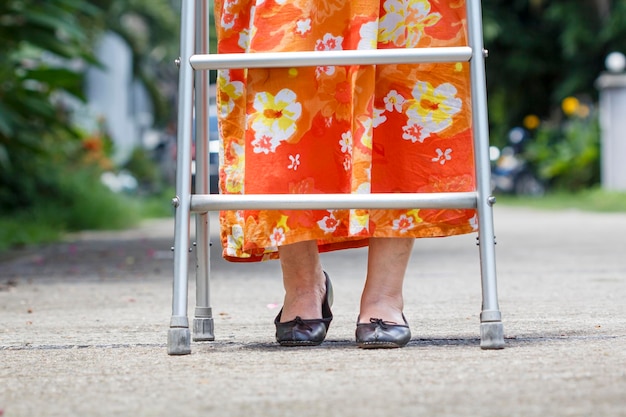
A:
178	341
203	329
491	335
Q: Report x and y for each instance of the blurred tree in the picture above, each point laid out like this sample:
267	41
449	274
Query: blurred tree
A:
541	51
43	48
151	30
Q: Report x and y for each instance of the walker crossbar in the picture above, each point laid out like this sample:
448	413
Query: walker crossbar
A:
193	97
212	202
323	58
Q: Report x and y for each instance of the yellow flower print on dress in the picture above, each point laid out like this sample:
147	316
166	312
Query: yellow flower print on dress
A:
235	241
274	120
405	22
359	222
235	171
430	111
229	90
407	221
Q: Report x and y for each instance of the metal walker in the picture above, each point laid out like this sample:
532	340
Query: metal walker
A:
194	63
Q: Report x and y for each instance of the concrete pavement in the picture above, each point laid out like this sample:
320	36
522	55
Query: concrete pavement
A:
83	327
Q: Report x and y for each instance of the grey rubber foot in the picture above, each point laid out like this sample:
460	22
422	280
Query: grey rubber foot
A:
492	335
203	329
178	341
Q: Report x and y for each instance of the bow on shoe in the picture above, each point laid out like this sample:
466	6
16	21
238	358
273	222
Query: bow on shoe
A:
301	323
381	323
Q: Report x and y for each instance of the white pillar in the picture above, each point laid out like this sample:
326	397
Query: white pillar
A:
612	89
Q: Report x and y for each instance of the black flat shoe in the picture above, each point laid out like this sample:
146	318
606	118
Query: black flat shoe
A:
309	332
379	334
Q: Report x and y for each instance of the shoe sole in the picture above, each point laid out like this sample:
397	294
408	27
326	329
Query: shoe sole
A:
296	344
379	345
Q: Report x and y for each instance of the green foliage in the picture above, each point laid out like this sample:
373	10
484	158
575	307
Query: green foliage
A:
38	42
541	51
567	155
591	199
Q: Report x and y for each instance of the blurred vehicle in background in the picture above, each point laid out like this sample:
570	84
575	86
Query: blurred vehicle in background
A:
165	154
214	150
510	172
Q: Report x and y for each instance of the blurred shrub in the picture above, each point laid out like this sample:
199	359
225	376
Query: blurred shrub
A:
145	170
567	154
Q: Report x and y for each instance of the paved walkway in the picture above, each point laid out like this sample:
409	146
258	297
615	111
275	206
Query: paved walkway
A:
83	328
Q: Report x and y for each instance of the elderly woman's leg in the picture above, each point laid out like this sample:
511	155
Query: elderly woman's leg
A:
303	279
382	295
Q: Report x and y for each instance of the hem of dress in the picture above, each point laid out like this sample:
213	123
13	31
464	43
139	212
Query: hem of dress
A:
324	246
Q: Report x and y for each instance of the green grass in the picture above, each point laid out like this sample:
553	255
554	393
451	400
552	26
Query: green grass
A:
593	199
97	209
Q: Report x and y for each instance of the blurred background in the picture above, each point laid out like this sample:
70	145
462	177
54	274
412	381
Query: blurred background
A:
88	108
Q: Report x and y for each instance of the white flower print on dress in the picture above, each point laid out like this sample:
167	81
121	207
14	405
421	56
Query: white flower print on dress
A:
329	223
368	33
394	101
328	70
403	224
328	43
244	39
379	117
416	132
264	142
347	163
346	142
295	161
278	236
442	156
228	17
346	148
303	26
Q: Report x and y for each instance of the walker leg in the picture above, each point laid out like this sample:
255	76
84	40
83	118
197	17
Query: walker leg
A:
491	329
203	328
178	339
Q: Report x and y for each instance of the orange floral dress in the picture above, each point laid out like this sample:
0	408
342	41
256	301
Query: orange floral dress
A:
341	129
